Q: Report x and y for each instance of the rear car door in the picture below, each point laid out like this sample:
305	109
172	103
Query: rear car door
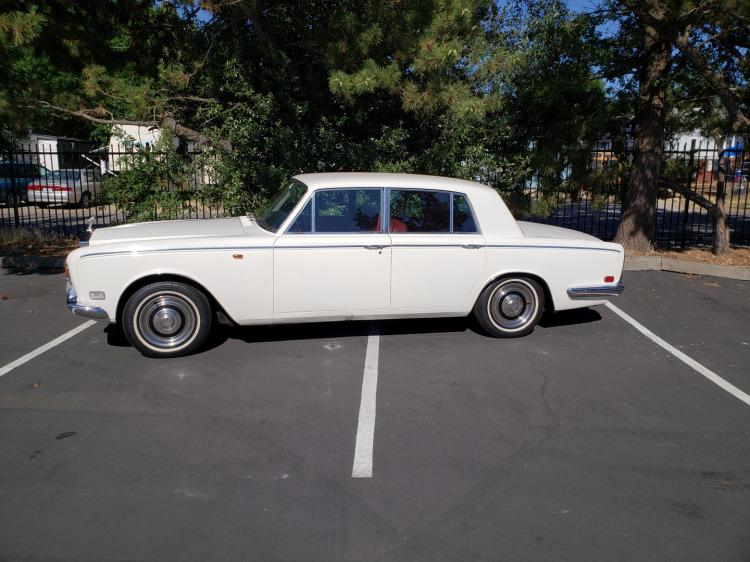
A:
438	250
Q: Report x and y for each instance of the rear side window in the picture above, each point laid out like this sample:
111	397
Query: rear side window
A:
419	211
463	221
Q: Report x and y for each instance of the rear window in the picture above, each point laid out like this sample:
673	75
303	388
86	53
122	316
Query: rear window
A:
66	175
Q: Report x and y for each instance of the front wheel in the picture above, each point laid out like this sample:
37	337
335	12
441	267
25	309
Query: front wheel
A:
167	319
510	307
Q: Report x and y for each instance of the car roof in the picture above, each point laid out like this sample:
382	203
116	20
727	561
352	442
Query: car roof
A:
377	179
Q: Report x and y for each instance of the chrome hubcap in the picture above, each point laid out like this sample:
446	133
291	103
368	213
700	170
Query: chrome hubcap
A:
166	321
513	305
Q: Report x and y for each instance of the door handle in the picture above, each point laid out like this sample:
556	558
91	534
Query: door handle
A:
471	246
374	246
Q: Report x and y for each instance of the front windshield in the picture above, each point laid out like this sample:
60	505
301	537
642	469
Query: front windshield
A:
277	210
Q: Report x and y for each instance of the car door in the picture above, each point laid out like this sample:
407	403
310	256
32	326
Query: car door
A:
438	252
335	257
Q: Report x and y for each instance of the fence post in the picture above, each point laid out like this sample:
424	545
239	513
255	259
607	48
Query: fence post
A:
16	193
691	162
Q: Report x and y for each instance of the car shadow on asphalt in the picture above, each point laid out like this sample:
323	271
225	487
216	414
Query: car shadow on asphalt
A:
569	317
358	328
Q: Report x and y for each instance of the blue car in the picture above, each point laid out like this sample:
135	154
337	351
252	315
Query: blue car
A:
15	177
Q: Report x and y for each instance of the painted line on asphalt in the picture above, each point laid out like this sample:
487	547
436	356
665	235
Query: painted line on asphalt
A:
367	406
708	373
4	370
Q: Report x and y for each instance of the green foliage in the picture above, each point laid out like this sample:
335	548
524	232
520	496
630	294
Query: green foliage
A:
497	92
154	183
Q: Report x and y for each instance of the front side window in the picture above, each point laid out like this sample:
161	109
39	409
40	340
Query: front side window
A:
340	211
278	209
346	210
419	211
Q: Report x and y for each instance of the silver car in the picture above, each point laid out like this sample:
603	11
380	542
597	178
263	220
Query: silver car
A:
69	187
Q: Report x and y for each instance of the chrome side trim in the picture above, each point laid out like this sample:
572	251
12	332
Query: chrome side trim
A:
593	292
469	246
165	250
536	246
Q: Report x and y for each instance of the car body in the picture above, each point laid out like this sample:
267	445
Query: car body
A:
320	252
67	187
14	179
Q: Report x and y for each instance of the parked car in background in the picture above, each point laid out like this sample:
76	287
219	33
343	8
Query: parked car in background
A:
340	246
15	178
68	187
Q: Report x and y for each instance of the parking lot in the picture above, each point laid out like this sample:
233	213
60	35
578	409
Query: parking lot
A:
583	441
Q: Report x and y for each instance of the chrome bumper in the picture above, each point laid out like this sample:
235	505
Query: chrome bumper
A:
596	292
83	310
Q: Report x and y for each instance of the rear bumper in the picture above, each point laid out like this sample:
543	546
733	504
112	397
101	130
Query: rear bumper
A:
596	292
81	309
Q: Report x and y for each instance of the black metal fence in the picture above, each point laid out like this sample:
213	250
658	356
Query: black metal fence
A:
59	190
596	208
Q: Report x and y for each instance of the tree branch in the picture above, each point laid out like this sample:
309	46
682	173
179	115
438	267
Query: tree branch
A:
165	122
716	80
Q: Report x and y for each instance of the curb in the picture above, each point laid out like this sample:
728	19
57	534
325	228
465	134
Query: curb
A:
657	263
32	263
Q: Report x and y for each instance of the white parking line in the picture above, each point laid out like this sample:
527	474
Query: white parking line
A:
709	374
47	346
366	425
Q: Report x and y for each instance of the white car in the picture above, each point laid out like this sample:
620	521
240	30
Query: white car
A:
340	246
69	187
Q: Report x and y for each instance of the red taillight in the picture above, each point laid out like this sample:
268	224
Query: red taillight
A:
609	279
34	187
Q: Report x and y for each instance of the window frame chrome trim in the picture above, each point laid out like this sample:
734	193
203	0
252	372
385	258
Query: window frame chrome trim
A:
311	195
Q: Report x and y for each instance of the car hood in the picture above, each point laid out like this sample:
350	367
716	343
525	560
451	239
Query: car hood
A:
536	230
161	230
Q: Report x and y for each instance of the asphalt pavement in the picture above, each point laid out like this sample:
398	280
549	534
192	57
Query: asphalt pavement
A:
582	441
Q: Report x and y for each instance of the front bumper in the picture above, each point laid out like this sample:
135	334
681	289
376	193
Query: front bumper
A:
81	309
596	292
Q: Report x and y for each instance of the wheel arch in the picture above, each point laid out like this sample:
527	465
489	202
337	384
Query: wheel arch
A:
549	303
160	277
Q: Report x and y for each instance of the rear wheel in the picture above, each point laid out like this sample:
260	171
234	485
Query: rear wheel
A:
510	307
167	319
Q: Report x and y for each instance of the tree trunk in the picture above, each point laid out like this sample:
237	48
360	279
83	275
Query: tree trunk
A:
637	226
721	229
